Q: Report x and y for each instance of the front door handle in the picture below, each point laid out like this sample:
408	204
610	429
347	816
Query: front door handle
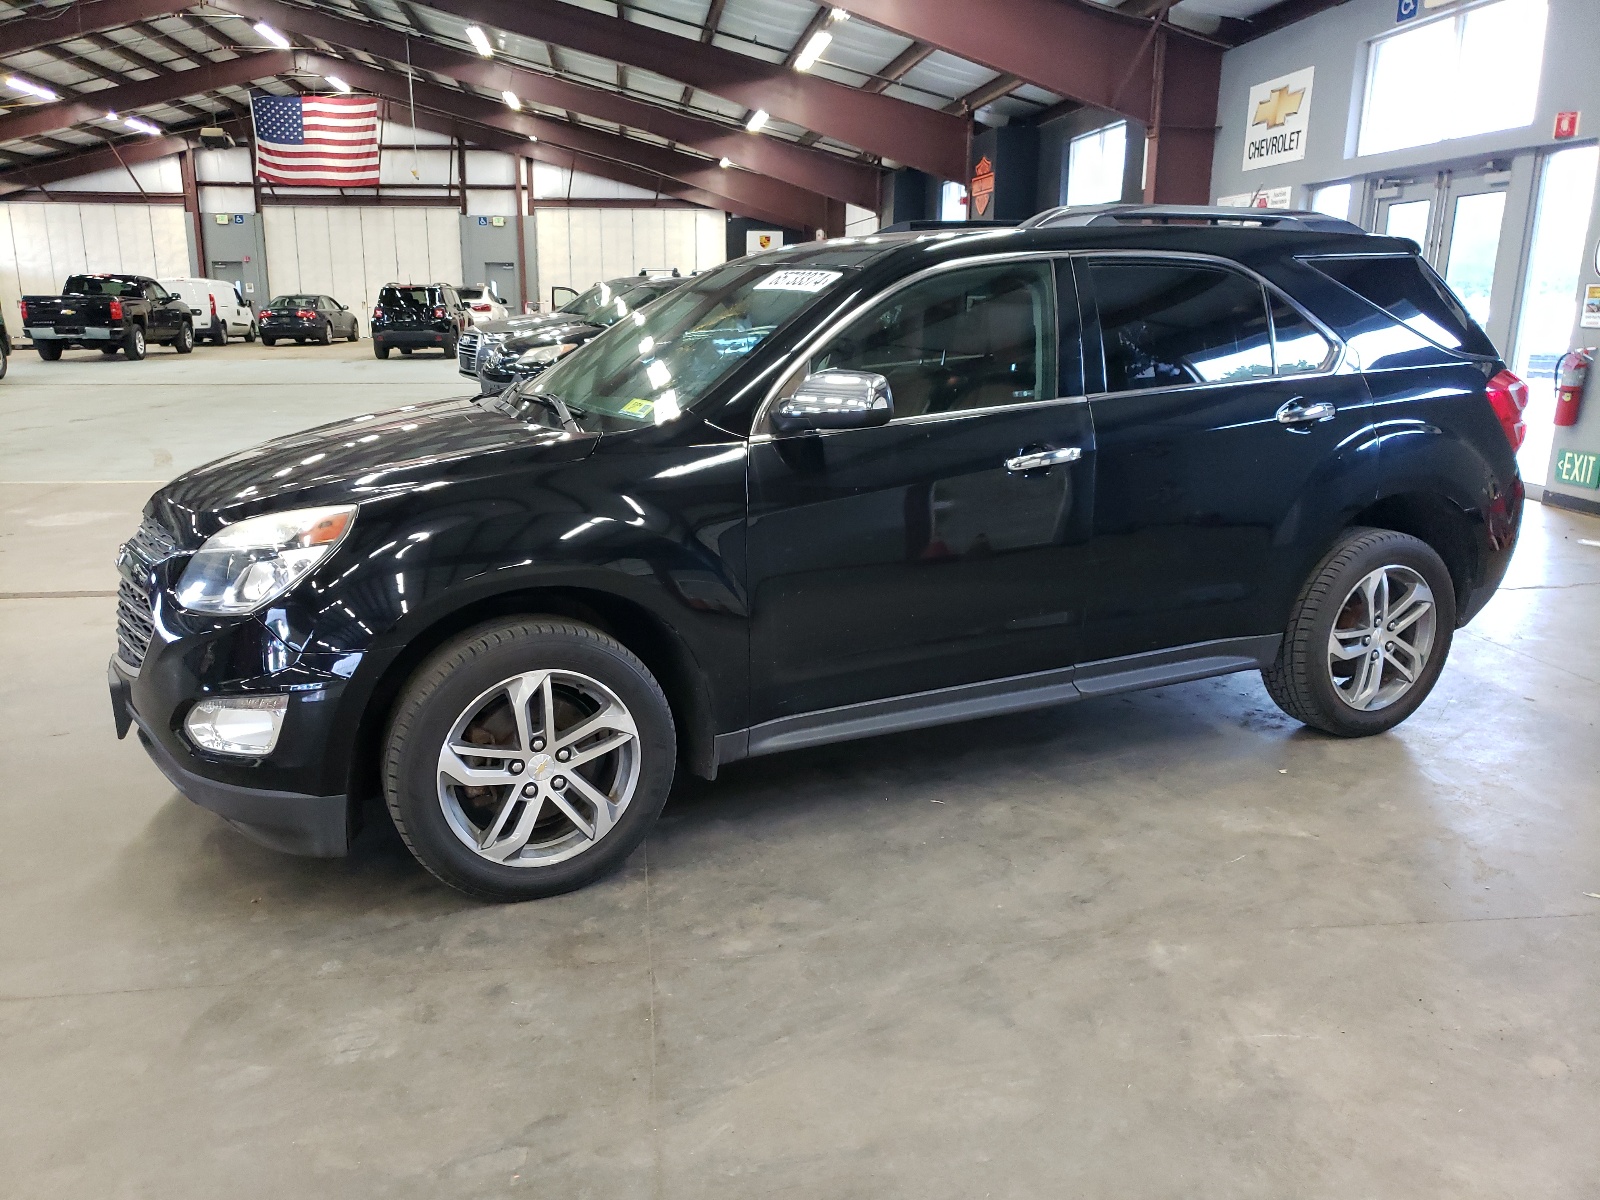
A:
1039	459
1297	412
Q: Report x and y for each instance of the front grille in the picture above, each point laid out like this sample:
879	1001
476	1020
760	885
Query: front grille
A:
149	545
467	351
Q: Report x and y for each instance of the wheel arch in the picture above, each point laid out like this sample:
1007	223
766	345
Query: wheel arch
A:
663	651
1453	533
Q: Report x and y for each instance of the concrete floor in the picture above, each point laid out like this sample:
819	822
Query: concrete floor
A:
1166	945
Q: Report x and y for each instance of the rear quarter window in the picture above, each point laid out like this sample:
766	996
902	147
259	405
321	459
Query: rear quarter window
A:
1406	288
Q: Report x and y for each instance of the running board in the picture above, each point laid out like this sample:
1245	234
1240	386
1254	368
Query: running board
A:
993	697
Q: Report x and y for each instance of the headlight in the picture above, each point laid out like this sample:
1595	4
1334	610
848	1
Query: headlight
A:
543	356
249	563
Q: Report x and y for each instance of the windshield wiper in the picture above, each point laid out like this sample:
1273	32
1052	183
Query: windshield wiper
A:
556	405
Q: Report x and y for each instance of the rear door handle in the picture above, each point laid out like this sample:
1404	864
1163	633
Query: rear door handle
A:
1296	412
1044	458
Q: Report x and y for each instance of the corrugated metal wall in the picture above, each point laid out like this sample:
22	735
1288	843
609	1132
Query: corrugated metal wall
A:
578	247
41	244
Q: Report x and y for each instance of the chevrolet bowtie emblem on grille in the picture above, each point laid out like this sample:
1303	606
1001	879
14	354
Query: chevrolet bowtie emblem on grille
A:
69	312
1278	107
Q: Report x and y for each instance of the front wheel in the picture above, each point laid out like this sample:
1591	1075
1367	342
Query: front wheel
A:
528	758
184	342
5	362
49	351
133	345
355	331
1368	635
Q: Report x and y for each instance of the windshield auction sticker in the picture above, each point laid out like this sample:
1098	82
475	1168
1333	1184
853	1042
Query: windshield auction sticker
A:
1275	120
797	281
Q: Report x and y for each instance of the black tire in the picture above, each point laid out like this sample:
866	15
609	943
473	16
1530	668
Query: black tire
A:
184	342
444	687
269	341
379	350
250	334
110	351
326	337
450	347
355	331
133	343
1301	680
219	333
49	351
5	362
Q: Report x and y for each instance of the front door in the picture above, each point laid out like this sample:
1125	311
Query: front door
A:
911	556
1207	450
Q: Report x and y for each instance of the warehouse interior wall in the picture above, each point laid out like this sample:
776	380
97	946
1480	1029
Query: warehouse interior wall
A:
576	247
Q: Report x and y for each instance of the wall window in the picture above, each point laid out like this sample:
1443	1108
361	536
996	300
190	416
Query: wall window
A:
1332	200
952	202
1474	71
1095	165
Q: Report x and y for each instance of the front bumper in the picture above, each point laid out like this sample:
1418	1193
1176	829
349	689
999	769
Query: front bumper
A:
291	821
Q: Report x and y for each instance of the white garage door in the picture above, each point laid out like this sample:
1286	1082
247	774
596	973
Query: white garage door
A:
578	247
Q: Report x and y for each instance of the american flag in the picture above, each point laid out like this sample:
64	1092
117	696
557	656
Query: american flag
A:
317	141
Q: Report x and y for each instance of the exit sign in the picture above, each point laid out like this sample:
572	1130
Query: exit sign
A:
1578	469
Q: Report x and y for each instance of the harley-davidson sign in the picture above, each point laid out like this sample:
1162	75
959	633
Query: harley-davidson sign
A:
982	186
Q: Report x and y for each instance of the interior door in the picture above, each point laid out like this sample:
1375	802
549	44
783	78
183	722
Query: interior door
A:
911	556
1471	223
1208	449
1407	210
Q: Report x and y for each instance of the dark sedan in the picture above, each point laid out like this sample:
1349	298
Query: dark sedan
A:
307	318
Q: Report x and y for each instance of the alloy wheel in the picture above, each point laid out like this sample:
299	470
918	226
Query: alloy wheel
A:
1382	638
539	768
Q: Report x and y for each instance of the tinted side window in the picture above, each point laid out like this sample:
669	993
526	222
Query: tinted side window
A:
1169	325
1405	288
963	339
1297	345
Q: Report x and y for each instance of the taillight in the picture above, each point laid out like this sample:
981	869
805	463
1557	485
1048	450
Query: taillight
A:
1509	396
264	313
22	305
438	312
213	308
307	313
116	309
377	313
480	308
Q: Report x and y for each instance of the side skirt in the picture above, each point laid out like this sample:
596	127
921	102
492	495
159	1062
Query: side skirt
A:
993	697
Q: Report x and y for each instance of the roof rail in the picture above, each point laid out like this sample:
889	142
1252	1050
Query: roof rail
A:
1164	214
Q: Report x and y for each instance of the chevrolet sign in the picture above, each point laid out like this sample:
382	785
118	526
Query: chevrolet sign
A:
1276	116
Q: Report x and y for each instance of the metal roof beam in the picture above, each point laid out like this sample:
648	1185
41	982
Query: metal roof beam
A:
69	21
909	133
87	162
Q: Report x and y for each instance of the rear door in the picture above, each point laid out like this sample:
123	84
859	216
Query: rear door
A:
1209	451
917	555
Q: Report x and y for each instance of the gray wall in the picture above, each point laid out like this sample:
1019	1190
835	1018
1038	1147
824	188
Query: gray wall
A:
1335	42
482	244
236	243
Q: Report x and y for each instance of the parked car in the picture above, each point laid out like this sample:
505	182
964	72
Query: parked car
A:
822	493
412	315
308	317
483	305
523	355
5	347
217	309
600	304
107	313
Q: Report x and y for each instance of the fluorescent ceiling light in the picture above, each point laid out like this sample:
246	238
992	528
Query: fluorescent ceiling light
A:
838	14
757	120
141	126
271	34
813	50
725	163
480	41
511	100
338	84
531	138
17	84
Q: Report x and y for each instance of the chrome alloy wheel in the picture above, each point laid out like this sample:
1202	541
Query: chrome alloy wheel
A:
539	768
1382	638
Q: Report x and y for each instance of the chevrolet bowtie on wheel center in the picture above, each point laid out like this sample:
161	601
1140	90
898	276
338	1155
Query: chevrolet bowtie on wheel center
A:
821	493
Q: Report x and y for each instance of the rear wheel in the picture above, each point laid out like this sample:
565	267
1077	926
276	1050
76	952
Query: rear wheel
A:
326	337
268	341
49	351
528	758
184	342
1368	636
219	333
5	362
250	334
379	350
133	344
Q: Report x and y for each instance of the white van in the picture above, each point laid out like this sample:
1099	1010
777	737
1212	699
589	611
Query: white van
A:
219	310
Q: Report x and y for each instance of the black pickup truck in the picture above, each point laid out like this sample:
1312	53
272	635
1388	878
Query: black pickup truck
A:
108	313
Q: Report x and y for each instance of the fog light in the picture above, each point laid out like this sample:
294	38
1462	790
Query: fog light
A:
237	724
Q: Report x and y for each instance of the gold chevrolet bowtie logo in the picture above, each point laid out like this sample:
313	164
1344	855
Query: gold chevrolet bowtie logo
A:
1278	107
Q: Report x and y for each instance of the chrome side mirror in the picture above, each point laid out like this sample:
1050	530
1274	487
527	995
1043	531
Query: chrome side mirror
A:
835	400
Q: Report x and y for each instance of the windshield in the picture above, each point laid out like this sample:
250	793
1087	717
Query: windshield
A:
102	285
413	297
592	301
293	302
663	360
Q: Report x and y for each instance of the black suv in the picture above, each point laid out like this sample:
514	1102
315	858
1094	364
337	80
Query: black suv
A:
821	493
411	316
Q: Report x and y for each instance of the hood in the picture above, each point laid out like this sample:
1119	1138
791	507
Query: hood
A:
359	459
528	322
551	335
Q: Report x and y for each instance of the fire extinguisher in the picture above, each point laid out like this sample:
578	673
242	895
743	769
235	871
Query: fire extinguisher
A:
1571	372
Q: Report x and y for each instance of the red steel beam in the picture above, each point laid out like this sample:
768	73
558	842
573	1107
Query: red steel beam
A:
908	133
71	166
814	170
1161	76
63	114
73	20
742	191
